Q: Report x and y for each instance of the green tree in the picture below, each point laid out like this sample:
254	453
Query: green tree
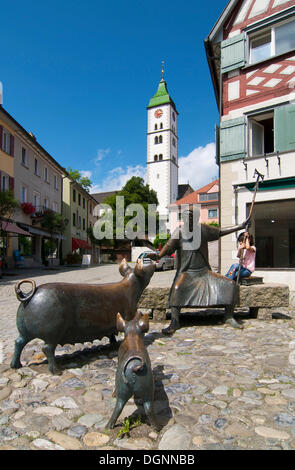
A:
134	192
161	239
84	181
7	204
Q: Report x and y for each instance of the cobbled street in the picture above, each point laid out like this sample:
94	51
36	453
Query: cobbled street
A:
215	387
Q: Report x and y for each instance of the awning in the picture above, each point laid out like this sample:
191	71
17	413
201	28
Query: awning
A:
76	243
13	228
37	231
269	185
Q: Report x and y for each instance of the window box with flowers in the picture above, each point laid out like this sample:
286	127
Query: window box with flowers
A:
28	208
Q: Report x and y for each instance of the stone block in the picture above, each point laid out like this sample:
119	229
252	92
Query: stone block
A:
259	297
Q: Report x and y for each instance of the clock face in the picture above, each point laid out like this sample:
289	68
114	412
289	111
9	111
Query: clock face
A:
158	113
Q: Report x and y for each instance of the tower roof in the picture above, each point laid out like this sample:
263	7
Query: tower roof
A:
161	97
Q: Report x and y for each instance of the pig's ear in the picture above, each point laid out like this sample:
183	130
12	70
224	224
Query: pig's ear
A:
144	323
124	267
138	270
120	323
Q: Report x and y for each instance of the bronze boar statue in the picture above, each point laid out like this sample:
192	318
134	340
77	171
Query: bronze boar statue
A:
68	313
134	375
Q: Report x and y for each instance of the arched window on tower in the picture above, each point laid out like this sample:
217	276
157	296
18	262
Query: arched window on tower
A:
156	158
161	125
156	127
160	157
156	140
160	139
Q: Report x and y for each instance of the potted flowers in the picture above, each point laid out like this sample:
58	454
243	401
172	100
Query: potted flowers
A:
28	208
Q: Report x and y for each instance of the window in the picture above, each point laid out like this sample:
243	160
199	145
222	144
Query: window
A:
156	140
54	206
160	139
74	219
46	175
161	125
156	127
4	182
174	142
23	194
83	202
36	167
55	182
212	213
208	197
46	203
160	157
260	48
24	156
6	141
36	200
274	223
83	224
156	158
274	41
261	134
79	199
74	195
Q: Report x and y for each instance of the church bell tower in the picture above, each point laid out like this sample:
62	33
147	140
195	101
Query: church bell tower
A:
162	147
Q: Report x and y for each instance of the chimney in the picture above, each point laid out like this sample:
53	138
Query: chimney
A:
1	94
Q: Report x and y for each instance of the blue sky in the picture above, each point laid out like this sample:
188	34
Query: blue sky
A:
79	75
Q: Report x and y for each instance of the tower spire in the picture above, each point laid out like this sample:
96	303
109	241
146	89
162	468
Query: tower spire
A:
163	63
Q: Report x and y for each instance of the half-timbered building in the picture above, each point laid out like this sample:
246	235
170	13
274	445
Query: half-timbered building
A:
251	56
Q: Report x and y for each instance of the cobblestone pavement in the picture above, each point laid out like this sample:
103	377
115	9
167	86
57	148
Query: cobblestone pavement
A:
215	387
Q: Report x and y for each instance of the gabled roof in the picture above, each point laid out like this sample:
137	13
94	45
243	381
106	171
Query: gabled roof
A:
222	18
99	197
193	197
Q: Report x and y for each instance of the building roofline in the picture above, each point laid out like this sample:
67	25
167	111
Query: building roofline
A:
32	140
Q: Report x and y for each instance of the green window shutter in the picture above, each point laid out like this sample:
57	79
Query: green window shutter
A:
217	144
284	128
233	53
233	139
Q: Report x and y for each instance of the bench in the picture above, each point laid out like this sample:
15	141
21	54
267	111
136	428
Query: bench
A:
257	296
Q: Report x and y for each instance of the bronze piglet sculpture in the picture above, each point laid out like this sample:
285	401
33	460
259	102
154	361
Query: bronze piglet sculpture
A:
64	313
134	375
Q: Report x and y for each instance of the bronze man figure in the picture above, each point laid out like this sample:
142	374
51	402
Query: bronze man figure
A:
195	284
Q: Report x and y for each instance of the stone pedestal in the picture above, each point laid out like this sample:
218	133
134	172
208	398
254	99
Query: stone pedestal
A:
259	298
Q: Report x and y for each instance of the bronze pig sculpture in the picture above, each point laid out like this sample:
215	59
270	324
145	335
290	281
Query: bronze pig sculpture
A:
65	313
134	375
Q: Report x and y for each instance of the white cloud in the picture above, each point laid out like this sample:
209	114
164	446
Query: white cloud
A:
101	153
86	173
118	177
199	167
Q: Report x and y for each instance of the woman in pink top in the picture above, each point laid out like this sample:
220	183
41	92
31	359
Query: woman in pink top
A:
248	251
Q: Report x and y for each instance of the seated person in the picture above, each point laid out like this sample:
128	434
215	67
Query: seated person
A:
246	253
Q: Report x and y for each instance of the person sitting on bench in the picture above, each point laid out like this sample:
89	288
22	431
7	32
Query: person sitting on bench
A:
247	254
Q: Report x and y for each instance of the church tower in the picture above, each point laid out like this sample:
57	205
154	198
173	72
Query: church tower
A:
162	147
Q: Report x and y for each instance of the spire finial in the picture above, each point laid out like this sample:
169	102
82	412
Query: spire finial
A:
163	63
